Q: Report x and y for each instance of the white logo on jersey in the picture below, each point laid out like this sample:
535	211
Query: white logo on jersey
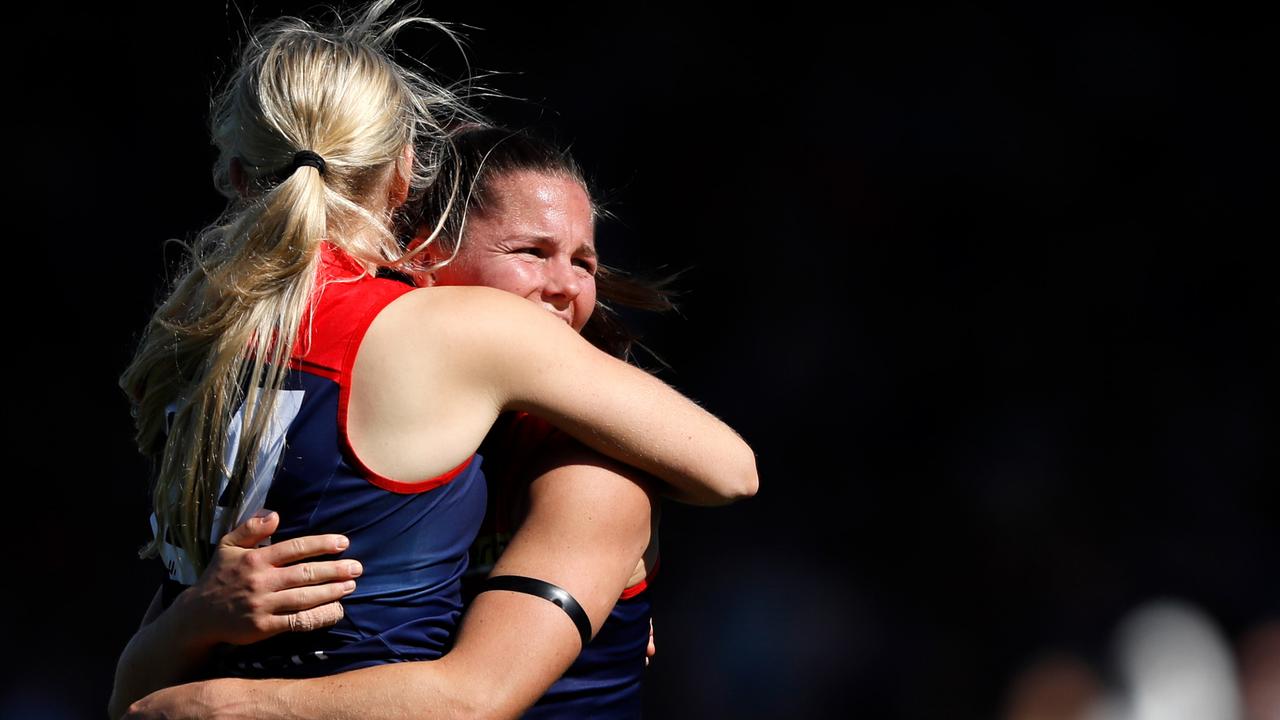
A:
288	404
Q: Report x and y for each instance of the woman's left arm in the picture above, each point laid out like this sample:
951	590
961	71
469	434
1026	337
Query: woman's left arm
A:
587	527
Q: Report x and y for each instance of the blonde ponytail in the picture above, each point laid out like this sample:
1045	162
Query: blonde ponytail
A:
312	130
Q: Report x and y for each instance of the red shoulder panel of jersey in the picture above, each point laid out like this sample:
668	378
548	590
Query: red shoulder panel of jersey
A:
346	300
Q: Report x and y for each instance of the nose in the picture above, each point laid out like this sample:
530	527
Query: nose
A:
563	284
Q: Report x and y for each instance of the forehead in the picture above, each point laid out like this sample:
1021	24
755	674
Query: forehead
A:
533	203
530	187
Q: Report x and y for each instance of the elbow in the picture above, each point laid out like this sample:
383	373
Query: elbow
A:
749	476
725	478
743	483
748	485
752	486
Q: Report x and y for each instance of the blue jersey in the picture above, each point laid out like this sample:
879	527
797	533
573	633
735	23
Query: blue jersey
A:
412	538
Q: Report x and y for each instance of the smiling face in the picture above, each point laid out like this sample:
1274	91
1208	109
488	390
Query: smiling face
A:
535	238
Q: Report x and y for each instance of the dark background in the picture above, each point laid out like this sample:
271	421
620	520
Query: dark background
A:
990	291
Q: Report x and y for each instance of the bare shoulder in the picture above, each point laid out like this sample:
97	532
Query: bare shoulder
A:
430	329
423	393
444	308
567	468
478	336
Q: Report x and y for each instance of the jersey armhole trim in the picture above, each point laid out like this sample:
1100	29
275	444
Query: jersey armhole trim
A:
643	585
344	396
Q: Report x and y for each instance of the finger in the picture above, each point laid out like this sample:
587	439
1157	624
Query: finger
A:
306	598
251	532
315	573
316	618
291	551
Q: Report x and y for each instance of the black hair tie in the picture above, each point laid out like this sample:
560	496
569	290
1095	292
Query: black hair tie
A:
309	159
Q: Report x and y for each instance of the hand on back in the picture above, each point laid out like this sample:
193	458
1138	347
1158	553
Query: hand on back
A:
249	593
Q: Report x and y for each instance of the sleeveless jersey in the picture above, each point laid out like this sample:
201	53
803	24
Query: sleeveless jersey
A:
411	538
605	680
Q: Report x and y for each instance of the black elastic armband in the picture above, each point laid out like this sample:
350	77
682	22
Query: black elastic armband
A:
545	590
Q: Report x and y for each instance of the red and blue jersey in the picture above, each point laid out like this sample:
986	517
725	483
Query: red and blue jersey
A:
412	538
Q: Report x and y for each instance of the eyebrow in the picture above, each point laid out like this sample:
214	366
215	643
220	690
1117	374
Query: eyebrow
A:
586	250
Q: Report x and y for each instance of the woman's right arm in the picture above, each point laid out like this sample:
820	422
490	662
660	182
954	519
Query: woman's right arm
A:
472	346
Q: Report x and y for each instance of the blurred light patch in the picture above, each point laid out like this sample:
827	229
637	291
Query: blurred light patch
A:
1056	687
1259	657
1175	665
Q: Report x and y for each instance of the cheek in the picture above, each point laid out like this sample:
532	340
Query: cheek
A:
584	305
505	273
511	275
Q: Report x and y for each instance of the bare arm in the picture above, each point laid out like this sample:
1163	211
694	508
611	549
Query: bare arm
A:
587	528
439	364
245	595
588	525
155	657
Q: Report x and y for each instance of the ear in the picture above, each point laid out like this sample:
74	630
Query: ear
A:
430	255
399	190
238	179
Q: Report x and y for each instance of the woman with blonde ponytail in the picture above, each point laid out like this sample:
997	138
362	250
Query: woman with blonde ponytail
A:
282	371
315	132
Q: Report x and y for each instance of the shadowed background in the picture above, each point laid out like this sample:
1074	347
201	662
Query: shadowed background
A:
991	293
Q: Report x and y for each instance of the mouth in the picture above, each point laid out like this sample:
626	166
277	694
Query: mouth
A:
562	314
